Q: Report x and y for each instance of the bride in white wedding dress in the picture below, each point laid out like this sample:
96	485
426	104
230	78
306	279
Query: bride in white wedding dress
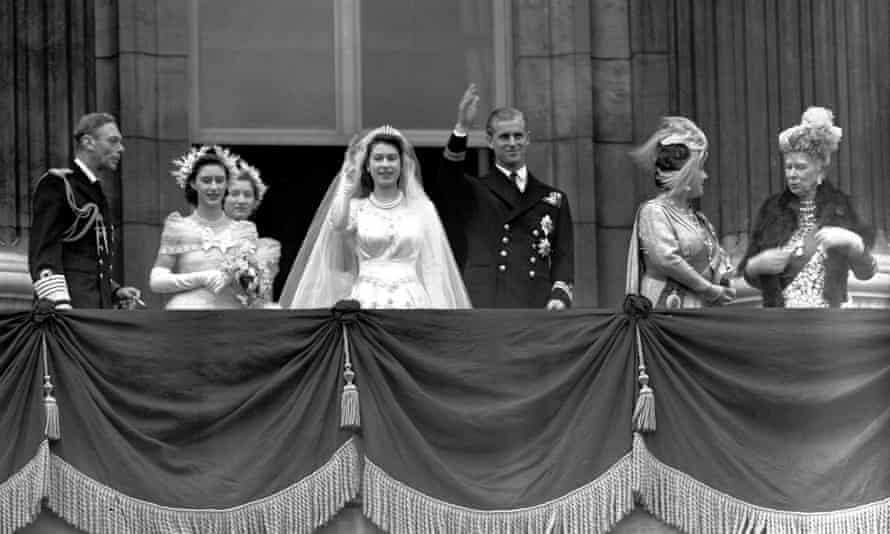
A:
376	237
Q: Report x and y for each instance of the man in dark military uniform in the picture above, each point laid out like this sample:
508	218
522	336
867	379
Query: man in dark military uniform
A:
71	239
511	233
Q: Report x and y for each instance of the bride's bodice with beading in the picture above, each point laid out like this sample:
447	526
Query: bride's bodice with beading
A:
200	245
387	244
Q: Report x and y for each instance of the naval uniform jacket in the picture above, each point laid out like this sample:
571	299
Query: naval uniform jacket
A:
71	235
514	249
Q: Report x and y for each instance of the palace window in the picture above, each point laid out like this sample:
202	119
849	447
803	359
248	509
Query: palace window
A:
315	72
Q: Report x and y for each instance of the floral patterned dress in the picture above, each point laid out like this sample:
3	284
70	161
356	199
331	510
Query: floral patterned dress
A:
806	290
200	245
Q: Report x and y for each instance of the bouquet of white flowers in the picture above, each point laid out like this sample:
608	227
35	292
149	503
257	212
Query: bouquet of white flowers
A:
246	275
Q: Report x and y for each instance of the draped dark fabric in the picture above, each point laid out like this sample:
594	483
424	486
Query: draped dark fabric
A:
163	414
21	409
477	420
197	409
784	409
495	410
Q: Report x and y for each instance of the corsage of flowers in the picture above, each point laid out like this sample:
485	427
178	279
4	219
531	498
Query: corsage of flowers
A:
543	244
246	275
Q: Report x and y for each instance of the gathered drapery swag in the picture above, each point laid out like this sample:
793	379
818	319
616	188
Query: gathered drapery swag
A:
447	421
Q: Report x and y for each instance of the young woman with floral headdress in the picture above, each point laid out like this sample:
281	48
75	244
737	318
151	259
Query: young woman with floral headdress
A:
376	237
675	258
807	238
199	253
246	192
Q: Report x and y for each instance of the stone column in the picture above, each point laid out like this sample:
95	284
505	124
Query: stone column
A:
142	61
612	138
552	80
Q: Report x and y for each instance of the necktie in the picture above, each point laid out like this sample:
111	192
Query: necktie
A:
514	177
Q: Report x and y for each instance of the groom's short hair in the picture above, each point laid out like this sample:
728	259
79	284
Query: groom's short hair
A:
501	115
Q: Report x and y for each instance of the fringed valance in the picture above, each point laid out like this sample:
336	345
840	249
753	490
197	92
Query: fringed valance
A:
491	421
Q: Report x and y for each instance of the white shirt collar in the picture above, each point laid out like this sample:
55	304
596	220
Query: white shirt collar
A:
522	173
86	170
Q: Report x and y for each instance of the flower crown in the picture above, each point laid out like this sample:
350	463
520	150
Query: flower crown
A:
185	164
252	173
816	134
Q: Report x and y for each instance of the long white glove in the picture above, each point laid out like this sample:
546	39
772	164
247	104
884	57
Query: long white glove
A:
163	280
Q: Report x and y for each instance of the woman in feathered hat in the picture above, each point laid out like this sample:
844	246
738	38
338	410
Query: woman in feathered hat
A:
807	238
675	258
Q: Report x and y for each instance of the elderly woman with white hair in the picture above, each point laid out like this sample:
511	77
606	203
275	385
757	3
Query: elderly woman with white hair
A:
675	258
807	238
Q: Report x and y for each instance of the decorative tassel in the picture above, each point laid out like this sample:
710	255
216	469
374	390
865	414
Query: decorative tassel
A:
52	429
350	412
644	411
350	416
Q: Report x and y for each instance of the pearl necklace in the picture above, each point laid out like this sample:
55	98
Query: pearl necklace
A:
686	211
385	204
806	223
216	223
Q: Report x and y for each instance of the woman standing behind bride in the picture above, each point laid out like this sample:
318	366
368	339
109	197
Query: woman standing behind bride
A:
196	249
245	193
376	238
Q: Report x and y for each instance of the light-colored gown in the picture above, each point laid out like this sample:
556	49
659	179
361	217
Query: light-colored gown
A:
387	245
201	246
674	247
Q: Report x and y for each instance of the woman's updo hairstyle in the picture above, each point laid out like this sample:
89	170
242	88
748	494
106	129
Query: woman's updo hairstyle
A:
671	158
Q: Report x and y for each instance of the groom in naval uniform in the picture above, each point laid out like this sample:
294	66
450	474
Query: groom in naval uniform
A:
510	232
71	240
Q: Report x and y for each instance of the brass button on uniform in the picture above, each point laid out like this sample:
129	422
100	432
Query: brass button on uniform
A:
535	232
502	267
531	274
506	227
505	240
504	253
532	259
